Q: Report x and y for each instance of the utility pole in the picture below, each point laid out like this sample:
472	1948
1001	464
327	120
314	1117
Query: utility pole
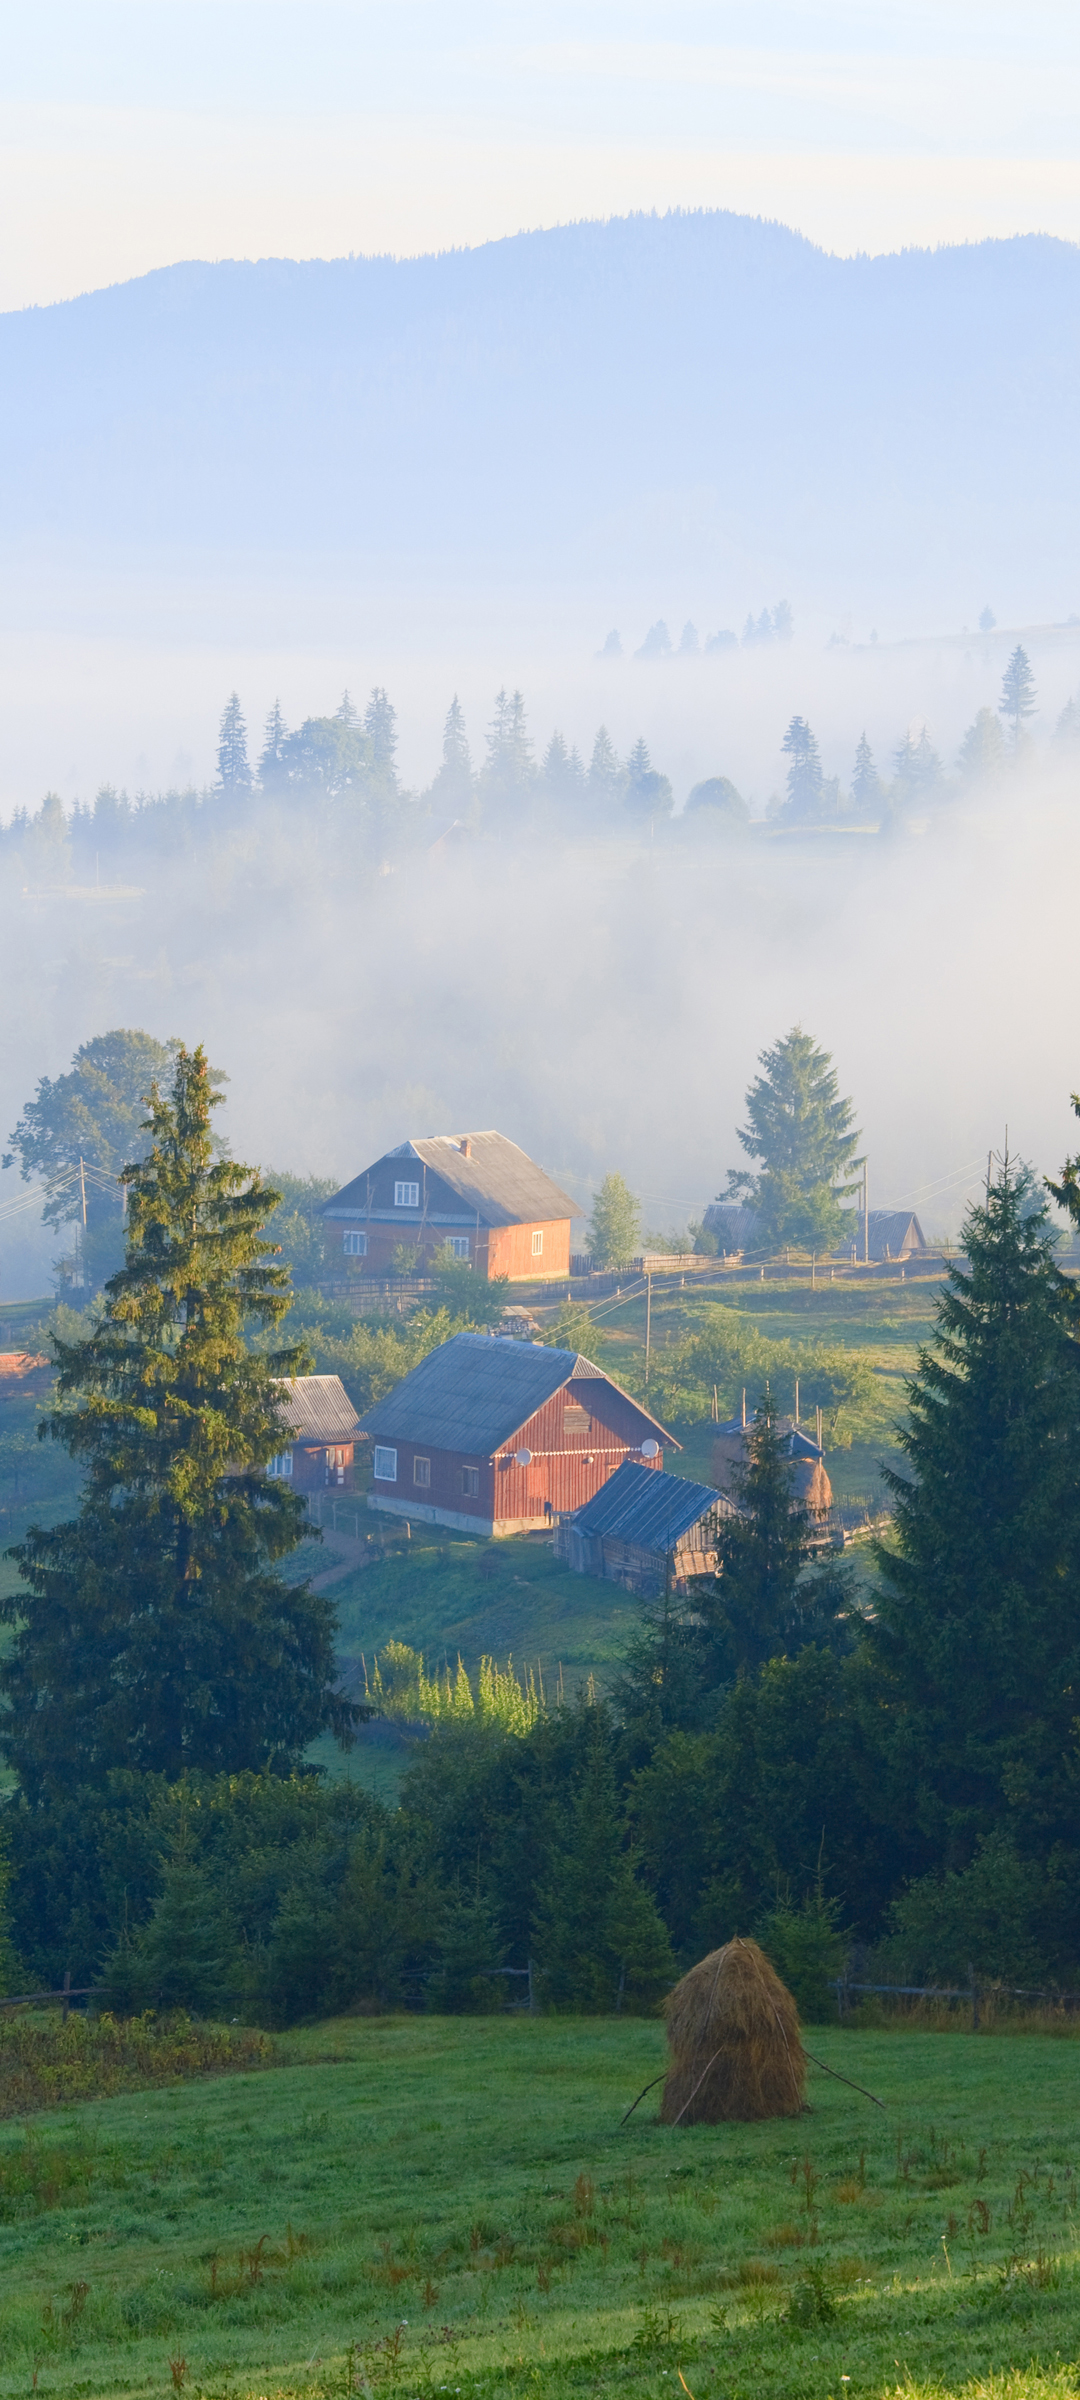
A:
866	1211
648	1325
82	1188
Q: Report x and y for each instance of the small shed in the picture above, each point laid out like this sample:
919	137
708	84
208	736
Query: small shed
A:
734	1227
894	1233
495	1436
641	1527
320	1425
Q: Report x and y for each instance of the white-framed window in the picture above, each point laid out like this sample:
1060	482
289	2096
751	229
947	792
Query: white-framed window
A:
356	1245
406	1195
538	1245
421	1472
385	1465
459	1244
281	1466
469	1478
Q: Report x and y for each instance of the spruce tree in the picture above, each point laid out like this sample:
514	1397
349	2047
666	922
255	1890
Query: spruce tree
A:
804	777
272	768
761	1554
605	773
155	1631
800	1131
453	784
510	768
982	751
866	790
234	773
598	1938
1017	692
975	1640
380	726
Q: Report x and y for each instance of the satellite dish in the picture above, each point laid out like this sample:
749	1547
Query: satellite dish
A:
523	1457
650	1449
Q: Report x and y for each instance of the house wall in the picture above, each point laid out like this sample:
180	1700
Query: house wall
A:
493	1250
322	1466
510	1251
571	1459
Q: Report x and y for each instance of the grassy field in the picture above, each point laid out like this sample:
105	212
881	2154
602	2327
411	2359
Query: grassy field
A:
450	2206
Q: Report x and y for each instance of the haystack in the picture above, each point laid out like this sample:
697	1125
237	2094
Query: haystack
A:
733	2033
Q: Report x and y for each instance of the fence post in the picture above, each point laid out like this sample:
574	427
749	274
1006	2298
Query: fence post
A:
66	2003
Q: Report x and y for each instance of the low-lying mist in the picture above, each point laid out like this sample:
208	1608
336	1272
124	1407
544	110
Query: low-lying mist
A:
600	998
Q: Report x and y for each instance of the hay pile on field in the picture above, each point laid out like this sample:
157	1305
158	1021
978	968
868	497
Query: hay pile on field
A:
733	2033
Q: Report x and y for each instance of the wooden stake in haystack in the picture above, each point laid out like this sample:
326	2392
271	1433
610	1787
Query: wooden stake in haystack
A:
733	2034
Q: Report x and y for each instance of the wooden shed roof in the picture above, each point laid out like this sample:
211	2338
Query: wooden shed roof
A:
316	1408
644	1506
493	1179
477	1389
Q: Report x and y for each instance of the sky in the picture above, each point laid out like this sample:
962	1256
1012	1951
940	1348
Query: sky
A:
140	132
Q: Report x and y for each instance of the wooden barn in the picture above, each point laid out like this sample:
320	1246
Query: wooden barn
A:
894	1233
646	1532
320	1426
478	1192
494	1436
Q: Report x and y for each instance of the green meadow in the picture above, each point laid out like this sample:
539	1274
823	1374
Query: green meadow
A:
452	2206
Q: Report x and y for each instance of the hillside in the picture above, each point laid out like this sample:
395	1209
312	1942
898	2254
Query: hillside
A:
642	394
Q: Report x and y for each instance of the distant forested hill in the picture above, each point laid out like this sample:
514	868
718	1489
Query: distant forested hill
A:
639	395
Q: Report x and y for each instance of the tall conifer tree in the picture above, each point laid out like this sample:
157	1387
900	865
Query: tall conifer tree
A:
156	1631
975	1636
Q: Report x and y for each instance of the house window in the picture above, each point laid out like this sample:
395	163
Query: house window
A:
469	1478
421	1471
281	1466
538	1245
356	1245
406	1195
459	1244
385	1465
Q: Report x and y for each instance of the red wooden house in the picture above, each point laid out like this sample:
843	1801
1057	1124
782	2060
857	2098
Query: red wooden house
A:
494	1436
476	1191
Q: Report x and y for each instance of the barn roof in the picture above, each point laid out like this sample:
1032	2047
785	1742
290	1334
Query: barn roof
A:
495	1181
317	1408
894	1233
477	1389
642	1505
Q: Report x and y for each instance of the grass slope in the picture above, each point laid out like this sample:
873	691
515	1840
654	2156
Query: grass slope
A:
450	2206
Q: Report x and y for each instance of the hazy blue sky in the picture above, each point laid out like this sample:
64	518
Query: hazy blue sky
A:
142	132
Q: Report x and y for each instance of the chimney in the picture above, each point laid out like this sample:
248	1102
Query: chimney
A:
465	1147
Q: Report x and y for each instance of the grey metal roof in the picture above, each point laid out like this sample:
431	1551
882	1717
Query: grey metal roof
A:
497	1182
643	1505
317	1408
895	1231
475	1391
